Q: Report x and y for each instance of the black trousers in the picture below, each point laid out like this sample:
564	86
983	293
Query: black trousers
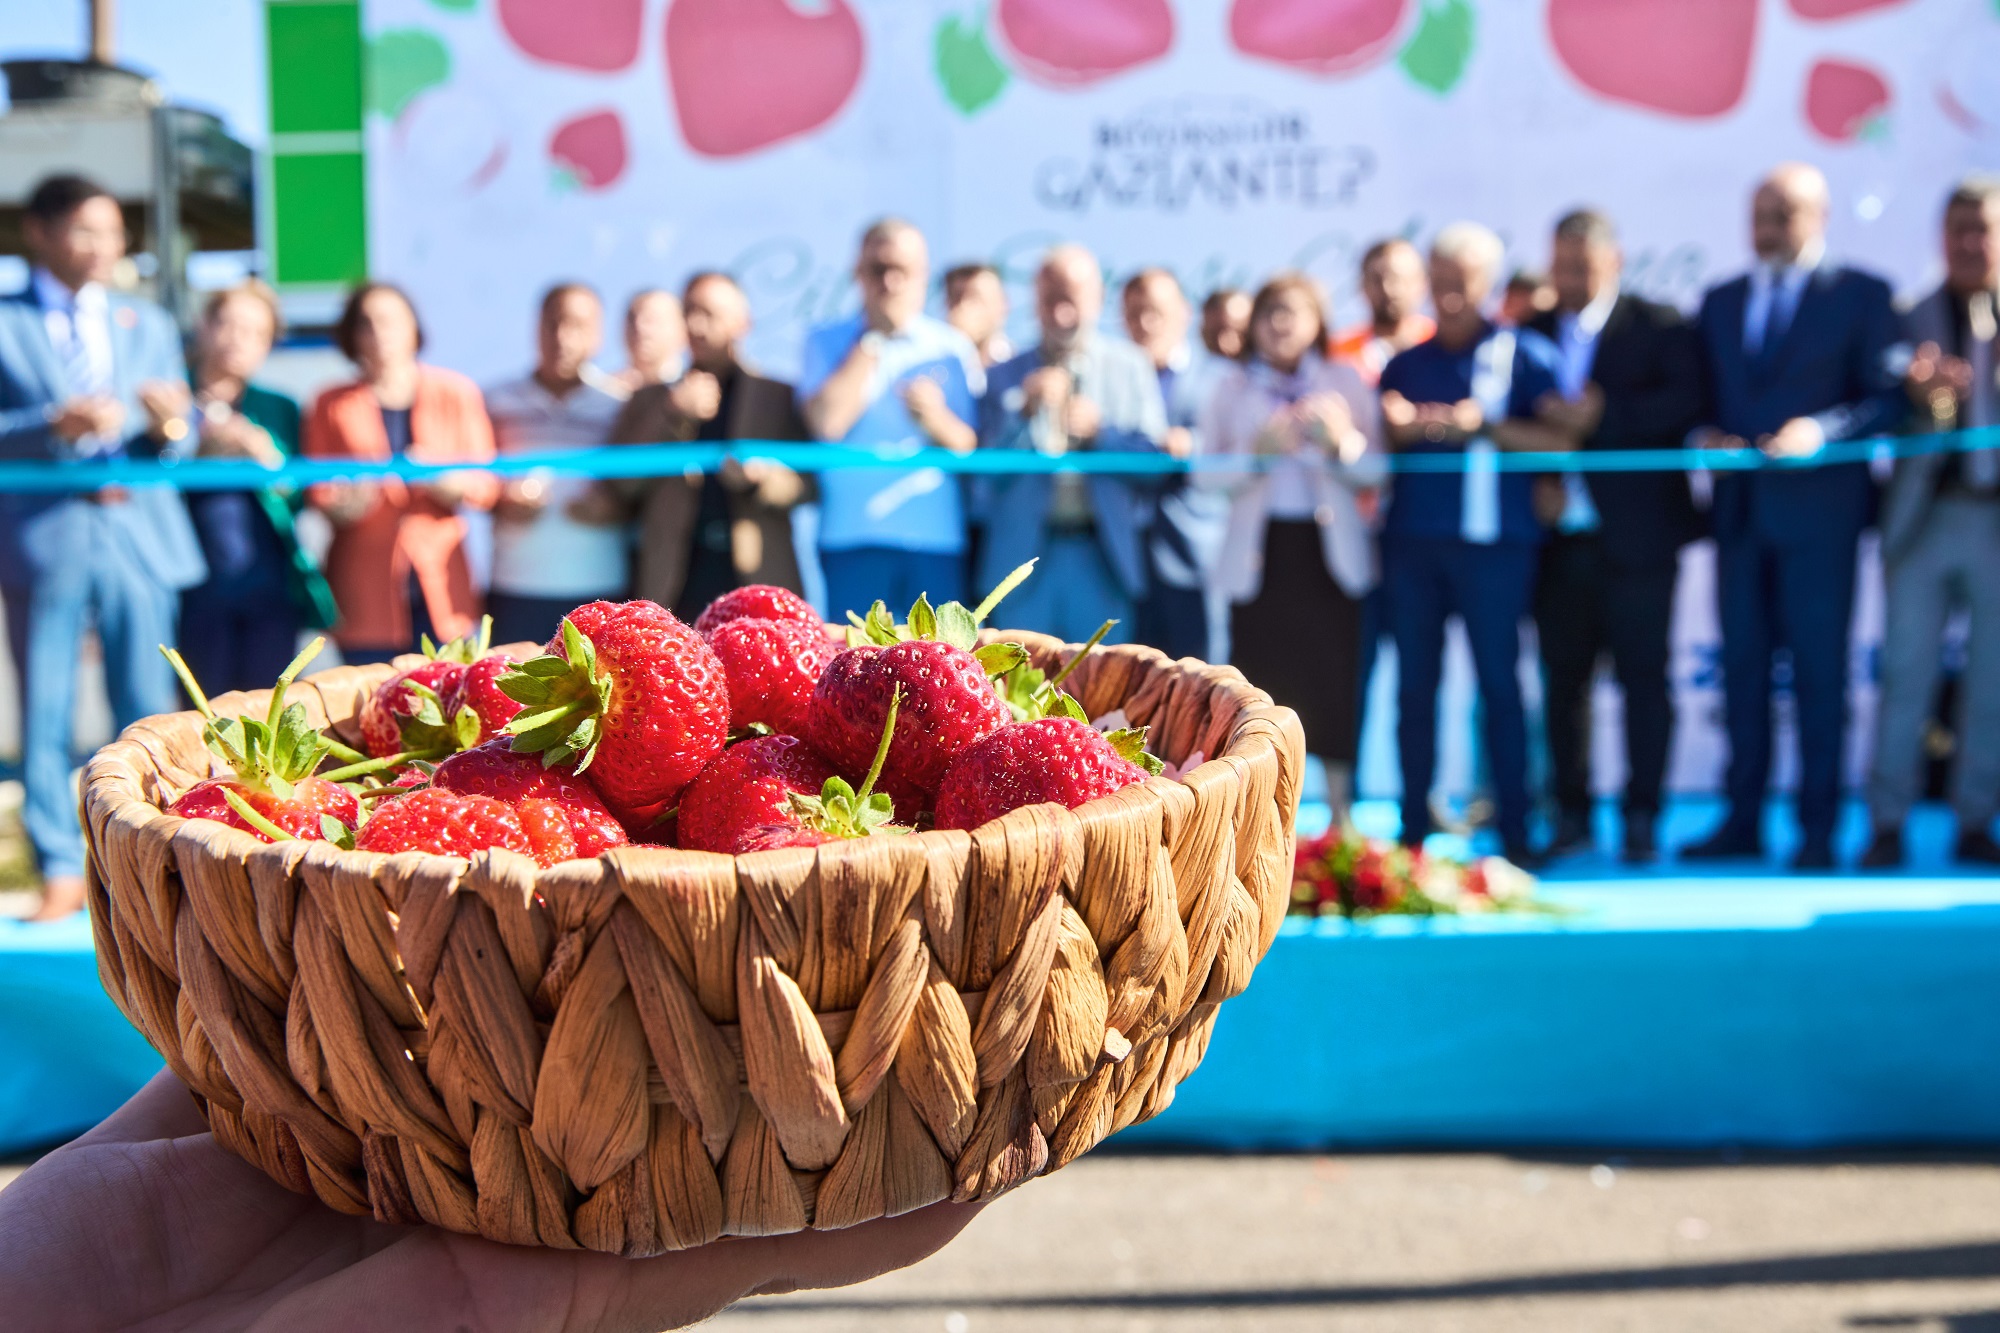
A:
1586	605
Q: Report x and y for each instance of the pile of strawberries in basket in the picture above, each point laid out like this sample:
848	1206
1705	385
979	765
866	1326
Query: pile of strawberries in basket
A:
753	729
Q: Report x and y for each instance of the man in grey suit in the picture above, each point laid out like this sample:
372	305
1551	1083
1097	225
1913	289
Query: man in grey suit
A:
86	373
1076	390
1941	543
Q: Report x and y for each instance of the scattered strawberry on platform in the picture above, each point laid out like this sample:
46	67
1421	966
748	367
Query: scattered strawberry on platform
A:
629	694
949	702
446	703
772	667
273	794
449	823
760	795
562	814
1050	753
756	601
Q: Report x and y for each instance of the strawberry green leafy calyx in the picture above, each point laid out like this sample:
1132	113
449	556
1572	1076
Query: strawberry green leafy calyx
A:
1129	744
842	812
563	696
950	623
1031	693
271	754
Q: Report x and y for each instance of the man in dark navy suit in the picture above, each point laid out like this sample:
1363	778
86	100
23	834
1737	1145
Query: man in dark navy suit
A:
1799	353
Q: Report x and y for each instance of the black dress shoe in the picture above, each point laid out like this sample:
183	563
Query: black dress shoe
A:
1640	845
1726	844
1573	834
1976	847
1816	854
1885	851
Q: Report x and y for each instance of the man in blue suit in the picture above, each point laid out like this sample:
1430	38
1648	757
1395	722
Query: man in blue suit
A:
1799	353
86	373
1077	390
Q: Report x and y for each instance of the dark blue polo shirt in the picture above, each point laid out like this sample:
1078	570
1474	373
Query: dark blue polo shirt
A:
1431	504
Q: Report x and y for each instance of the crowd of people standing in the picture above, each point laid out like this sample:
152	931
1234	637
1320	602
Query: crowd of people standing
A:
1293	565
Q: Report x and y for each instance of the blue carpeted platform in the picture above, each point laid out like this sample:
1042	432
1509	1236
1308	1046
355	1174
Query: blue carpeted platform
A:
1658	1009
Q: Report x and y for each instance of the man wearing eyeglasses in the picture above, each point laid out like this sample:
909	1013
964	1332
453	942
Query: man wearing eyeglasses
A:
86	373
891	375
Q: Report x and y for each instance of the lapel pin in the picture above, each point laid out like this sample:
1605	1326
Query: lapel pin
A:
127	317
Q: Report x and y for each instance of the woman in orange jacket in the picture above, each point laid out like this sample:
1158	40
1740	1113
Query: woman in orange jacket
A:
397	563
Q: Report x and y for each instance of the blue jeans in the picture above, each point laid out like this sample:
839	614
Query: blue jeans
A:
1425	581
105	586
856	579
1070	594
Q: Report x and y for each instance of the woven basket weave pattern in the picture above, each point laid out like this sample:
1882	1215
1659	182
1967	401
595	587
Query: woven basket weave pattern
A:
647	1051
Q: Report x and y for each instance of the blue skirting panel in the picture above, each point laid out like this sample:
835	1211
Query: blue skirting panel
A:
1788	1013
1653	1012
68	1058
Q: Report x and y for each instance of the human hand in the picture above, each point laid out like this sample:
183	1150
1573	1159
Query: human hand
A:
1178	442
1399	417
775	484
145	1222
1466	417
446	490
1579	418
1708	437
100	415
230	434
166	404
1082	418
1800	437
923	397
346	502
1550	498
1328	418
1937	383
697	395
521	499
597	506
1049	386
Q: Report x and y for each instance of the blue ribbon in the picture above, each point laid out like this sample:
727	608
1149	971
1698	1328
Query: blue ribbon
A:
669	460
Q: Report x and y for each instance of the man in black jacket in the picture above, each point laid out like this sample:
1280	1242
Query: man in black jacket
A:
1631	379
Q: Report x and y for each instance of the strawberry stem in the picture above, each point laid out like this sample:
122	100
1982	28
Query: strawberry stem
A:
366	766
252	818
1007	585
285	679
346	754
1082	653
881	749
188	682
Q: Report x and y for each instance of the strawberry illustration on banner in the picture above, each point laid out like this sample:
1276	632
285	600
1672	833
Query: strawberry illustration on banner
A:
746	74
1321	36
1839	9
1063	42
1684	57
589	150
1845	101
583	34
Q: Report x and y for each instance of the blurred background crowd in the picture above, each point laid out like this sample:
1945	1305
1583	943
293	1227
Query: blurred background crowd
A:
1292	551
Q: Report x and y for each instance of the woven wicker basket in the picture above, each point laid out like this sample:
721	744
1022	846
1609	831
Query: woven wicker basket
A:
651	1050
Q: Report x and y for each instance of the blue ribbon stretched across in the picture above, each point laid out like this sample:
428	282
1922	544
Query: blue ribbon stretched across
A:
666	460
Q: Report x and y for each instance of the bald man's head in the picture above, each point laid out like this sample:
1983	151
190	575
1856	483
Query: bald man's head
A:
1788	213
1069	295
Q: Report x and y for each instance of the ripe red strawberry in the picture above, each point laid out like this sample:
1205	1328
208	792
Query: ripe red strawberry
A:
629	694
772	666
746	787
421	710
1059	759
273	794
480	691
557	798
949	701
449	823
758	601
760	794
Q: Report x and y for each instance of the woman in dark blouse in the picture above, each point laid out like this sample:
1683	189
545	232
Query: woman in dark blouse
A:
240	628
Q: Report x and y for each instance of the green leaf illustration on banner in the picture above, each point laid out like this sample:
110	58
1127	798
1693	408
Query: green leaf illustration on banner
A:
456	6
402	62
1437	55
971	74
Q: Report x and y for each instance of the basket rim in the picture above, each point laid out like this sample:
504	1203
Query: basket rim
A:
102	781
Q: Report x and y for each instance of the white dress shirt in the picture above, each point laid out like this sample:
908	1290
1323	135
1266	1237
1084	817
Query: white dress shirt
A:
1576	349
79	327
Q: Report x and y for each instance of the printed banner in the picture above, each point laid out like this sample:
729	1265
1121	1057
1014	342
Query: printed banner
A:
629	142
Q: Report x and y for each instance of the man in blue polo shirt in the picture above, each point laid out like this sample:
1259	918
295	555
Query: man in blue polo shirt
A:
1463	542
891	375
